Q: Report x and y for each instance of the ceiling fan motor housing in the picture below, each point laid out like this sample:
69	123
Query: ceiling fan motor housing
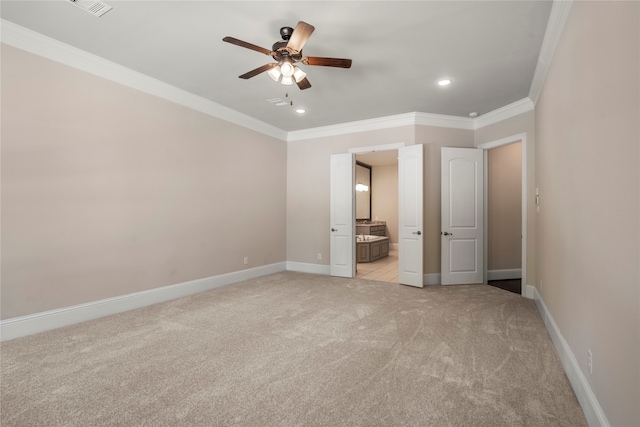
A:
279	45
286	32
280	51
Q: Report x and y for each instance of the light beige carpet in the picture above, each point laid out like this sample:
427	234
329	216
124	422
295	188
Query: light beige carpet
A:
295	349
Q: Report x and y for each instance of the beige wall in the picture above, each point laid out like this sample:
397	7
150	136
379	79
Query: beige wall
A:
308	168
108	191
587	158
385	198
504	188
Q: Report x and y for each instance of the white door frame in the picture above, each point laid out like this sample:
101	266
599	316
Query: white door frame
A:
521	137
371	149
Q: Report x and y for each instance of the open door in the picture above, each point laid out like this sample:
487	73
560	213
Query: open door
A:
462	216
342	214
410	216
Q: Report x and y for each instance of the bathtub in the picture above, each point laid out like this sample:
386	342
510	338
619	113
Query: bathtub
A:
371	248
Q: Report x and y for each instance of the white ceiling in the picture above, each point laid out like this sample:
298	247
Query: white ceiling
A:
399	50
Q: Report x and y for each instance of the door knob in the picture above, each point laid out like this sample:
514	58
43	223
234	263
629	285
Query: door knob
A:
334	229
417	232
446	233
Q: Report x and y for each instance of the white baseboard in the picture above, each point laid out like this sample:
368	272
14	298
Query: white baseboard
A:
435	278
530	292
305	267
39	322
590	406
431	279
508	274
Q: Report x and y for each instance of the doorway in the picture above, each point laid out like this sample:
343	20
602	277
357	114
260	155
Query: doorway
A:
508	273
410	212
383	208
504	211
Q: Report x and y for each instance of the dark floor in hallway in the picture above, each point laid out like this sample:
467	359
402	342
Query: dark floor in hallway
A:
513	285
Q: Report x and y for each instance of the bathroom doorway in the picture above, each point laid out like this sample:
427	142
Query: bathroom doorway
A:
383	218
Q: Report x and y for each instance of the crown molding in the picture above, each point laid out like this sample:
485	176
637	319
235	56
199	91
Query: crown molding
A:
503	113
36	43
407	119
440	120
387	122
416	119
557	18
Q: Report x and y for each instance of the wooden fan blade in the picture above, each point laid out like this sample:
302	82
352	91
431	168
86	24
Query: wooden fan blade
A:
246	45
258	71
327	62
304	84
300	35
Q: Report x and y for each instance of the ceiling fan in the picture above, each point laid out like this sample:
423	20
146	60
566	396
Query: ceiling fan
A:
287	52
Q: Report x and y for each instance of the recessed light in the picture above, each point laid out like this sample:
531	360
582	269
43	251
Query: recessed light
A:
301	111
444	82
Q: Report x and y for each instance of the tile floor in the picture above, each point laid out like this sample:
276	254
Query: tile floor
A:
384	269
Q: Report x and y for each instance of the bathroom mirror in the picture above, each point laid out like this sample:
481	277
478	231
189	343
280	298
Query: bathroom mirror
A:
363	192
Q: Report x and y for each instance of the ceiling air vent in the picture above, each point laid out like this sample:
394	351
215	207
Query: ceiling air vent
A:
96	8
278	102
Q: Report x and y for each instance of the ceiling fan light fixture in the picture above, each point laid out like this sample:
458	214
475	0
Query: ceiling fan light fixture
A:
274	73
286	68
287	80
298	74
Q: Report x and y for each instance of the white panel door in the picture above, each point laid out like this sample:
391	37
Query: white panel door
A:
462	216
342	215
410	215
